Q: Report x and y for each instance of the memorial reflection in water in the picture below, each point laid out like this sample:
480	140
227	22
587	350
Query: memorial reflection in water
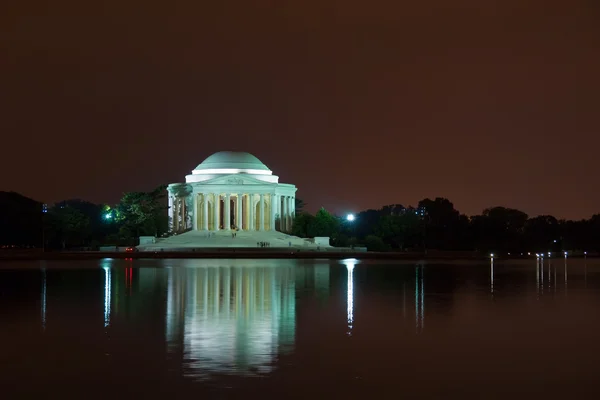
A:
230	319
211	317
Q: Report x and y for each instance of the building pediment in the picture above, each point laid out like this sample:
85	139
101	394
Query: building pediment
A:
235	179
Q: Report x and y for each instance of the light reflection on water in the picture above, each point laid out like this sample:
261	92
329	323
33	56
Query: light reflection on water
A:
301	321
350	264
232	319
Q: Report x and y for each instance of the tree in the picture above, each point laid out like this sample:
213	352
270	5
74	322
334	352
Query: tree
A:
375	243
299	206
303	225
99	225
441	223
20	220
366	222
541	232
143	213
325	224
502	229
68	226
321	224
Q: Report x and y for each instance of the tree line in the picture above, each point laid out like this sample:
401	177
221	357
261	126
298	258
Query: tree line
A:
431	225
437	225
77	223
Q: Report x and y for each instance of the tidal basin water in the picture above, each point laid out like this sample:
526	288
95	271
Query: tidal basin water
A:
298	329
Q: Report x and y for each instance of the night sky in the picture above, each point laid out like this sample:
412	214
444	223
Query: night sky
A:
358	103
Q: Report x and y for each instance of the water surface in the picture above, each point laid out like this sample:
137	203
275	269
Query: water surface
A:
277	328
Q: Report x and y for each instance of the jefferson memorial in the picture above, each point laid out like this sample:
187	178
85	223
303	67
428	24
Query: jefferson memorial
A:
234	200
231	191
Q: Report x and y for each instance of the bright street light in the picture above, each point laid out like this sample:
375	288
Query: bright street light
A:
350	217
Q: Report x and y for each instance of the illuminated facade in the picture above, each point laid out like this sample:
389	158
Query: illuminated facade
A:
231	190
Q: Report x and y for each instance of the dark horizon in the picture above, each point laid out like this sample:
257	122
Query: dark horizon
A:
481	103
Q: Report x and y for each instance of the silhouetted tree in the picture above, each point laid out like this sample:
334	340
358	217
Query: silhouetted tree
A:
21	220
68	226
541	232
299	206
501	229
441	223
303	225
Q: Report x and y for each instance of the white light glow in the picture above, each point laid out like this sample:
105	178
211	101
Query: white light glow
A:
107	288
218	171
492	275
350	217
350	264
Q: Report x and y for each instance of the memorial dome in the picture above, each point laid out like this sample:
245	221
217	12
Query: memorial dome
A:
229	162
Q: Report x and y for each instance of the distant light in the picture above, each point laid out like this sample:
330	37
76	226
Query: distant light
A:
492	255
530	254
549	254
107	216
554	240
585	253
350	217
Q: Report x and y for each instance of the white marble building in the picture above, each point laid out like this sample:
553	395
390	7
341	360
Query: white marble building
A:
231	190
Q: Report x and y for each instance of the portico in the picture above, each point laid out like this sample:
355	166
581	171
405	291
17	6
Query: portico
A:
231	191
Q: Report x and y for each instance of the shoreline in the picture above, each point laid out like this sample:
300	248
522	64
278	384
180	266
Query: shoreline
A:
258	254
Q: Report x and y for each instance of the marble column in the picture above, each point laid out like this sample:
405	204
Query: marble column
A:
195	215
216	201
238	217
176	214
279	212
261	221
246	223
227	215
280	208
284	219
273	211
292	211
183	213
205	211
251	220
171	214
